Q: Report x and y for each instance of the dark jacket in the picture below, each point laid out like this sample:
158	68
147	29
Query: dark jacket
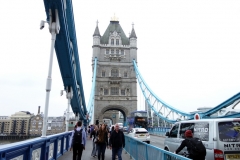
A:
105	138
117	139
93	134
185	143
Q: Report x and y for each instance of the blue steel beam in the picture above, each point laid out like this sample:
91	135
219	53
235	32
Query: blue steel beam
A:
67	53
235	99
91	98
154	95
224	104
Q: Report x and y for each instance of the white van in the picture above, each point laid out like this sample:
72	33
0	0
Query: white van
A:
221	137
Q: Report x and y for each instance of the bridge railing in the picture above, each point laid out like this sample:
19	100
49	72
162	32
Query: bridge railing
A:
48	148
159	131
142	151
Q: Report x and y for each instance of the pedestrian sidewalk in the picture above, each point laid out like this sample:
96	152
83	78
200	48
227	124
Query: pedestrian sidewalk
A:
86	155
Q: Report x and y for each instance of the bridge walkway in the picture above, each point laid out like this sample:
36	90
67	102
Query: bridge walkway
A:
86	155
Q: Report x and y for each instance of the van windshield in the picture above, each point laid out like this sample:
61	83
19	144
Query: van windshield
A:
229	131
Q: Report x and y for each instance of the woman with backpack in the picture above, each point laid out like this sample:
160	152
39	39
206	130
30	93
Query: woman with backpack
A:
93	135
195	147
102	141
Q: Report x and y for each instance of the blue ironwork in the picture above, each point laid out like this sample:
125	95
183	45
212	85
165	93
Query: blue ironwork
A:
67	53
91	98
154	98
49	148
142	151
159	131
224	104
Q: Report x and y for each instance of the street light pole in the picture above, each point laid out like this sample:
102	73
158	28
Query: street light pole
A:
54	28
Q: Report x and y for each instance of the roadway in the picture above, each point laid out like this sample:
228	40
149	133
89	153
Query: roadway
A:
157	141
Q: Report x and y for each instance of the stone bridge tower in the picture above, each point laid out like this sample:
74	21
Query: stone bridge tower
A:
116	83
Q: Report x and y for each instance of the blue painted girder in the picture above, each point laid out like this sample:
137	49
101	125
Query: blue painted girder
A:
67	53
224	104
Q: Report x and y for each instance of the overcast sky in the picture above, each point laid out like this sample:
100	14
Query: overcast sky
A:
188	51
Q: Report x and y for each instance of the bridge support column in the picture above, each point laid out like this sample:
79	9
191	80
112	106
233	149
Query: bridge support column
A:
54	28
69	95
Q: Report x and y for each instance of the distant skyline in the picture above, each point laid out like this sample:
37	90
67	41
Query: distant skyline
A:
188	51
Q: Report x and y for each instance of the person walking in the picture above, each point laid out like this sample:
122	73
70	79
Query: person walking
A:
78	141
195	147
93	135
70	140
117	142
102	141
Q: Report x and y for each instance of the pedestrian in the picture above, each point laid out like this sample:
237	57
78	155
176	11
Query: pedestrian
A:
70	140
102	141
195	147
78	141
93	135
117	142
112	129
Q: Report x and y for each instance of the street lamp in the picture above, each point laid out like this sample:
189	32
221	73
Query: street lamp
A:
69	95
54	28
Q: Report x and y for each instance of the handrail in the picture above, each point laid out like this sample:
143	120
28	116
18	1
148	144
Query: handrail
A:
50	148
139	150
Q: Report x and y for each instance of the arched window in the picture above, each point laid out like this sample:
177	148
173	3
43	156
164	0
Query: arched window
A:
112	51
117	51
114	91
122	52
107	51
125	74
114	72
112	41
103	73
117	42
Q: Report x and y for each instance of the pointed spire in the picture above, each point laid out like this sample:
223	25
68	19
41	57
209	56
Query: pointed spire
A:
133	34
96	32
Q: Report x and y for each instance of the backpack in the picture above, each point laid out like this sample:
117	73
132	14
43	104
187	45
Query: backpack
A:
196	147
77	137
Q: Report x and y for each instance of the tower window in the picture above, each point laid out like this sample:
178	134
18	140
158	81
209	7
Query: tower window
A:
107	51
125	74
122	52
114	91
114	72
112	41
105	91
117	41
117	51
112	51
123	92
103	73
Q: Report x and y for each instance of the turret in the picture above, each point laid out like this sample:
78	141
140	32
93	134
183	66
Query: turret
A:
96	41
133	44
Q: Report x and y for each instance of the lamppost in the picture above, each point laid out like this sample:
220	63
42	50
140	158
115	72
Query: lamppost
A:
69	95
54	28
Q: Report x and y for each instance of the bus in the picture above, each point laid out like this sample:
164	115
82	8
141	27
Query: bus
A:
138	119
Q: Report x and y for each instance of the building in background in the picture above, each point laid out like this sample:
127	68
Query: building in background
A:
19	123
36	124
54	124
4	125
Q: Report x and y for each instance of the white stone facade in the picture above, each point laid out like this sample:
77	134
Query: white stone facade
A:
116	83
